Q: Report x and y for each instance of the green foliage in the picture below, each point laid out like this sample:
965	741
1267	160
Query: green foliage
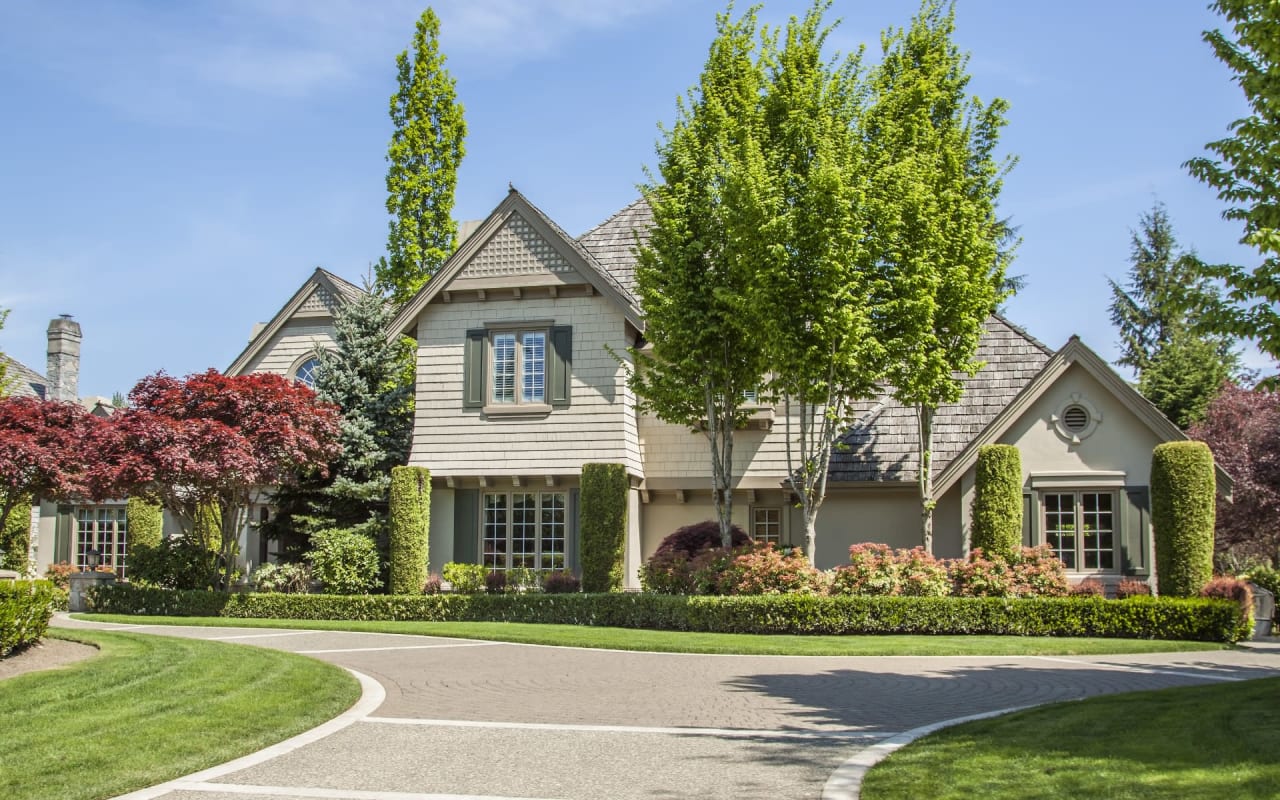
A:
1187	619
25	610
1182	511
690	274
206	528
935	181
603	526
997	500
345	561
1266	577
1157	315
465	578
1246	177
146	523
423	156
286	578
410	525
15	539
176	563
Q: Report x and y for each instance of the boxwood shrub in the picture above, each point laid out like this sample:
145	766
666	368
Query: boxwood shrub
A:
25	610
146	523
1139	618
997	501
1182	513
603	525
410	522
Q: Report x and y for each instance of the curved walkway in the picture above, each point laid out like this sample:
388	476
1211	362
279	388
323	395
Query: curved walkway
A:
467	719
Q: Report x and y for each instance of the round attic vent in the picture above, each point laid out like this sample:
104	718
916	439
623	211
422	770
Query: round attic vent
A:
1075	418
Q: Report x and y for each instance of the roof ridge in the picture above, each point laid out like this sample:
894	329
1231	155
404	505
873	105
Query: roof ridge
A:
614	216
1021	331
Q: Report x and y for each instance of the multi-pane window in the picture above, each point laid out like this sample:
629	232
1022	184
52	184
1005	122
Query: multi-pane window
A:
105	529
523	529
766	524
307	372
519	367
1081	529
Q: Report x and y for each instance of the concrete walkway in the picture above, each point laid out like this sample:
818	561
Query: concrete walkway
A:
453	718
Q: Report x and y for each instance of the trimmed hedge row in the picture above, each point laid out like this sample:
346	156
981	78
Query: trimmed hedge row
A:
1137	618
25	610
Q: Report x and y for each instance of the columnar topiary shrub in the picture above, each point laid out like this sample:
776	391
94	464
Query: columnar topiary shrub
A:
997	501
146	523
1182	495
15	539
410	523
603	522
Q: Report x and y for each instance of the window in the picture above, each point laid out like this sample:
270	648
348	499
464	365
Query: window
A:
766	524
524	529
105	529
307	372
517	369
1081	529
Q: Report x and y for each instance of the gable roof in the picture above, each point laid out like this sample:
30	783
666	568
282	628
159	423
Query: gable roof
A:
882	446
320	284
613	242
21	380
566	246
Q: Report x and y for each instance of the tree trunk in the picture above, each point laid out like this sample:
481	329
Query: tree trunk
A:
924	414
810	533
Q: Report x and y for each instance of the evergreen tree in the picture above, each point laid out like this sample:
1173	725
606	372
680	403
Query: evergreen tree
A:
1158	313
425	151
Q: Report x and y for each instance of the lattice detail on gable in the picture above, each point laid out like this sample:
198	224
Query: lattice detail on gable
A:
516	249
321	299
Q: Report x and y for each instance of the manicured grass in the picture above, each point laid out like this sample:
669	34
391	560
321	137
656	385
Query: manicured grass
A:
152	708
1217	741
686	642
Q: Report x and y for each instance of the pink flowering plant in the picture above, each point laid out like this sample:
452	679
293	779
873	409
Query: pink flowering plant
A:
760	568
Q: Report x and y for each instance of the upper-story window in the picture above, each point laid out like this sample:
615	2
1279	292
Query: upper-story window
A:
307	372
517	368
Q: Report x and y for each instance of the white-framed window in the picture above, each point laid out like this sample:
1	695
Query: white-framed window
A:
105	529
524	529
519	368
766	524
1081	527
307	372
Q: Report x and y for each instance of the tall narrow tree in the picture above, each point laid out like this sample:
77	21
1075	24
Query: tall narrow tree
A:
934	186
705	353
425	151
804	205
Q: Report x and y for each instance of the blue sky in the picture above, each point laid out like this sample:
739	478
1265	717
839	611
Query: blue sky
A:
172	172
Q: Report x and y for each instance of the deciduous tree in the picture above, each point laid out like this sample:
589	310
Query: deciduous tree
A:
1243	168
935	181
425	151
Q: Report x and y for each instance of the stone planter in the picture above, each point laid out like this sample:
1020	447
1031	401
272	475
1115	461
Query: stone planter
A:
1264	609
81	582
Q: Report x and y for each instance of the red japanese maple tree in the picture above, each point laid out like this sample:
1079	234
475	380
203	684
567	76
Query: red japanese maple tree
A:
46	450
213	440
1242	428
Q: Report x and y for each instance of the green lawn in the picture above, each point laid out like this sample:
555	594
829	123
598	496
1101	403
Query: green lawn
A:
684	642
1220	741
152	708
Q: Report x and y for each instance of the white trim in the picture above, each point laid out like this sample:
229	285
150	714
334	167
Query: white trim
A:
1077	480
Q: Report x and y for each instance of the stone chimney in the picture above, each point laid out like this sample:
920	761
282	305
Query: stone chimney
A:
64	359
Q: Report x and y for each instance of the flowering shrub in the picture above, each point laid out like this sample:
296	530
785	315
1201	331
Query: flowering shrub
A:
286	578
60	574
1128	587
1038	573
1033	572
668	573
562	582
434	584
877	569
1089	587
762	569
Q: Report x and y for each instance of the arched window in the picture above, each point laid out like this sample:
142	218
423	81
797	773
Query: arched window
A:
307	372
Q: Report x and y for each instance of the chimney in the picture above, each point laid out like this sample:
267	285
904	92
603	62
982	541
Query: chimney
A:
64	359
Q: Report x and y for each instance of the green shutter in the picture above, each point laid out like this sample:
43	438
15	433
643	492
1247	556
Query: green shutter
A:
561	365
1028	514
63	531
466	526
473	369
1135	532
572	555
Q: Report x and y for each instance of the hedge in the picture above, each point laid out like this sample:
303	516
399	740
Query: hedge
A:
15	539
1182	513
410	526
146	523
1137	618
25	609
997	500
603	526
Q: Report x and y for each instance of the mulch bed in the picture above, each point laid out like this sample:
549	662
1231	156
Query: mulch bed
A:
47	654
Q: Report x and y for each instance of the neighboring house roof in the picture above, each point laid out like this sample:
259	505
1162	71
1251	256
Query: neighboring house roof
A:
23	381
613	242
318	295
574	253
883	445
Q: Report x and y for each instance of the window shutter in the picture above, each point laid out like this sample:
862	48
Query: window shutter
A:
1028	516
561	357
64	532
473	369
1135	532
572	556
466	526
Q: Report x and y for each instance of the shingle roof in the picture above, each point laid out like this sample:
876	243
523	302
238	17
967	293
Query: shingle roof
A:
883	445
613	242
21	380
581	250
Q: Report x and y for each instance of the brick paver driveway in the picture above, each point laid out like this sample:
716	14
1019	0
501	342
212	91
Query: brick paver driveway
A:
477	719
